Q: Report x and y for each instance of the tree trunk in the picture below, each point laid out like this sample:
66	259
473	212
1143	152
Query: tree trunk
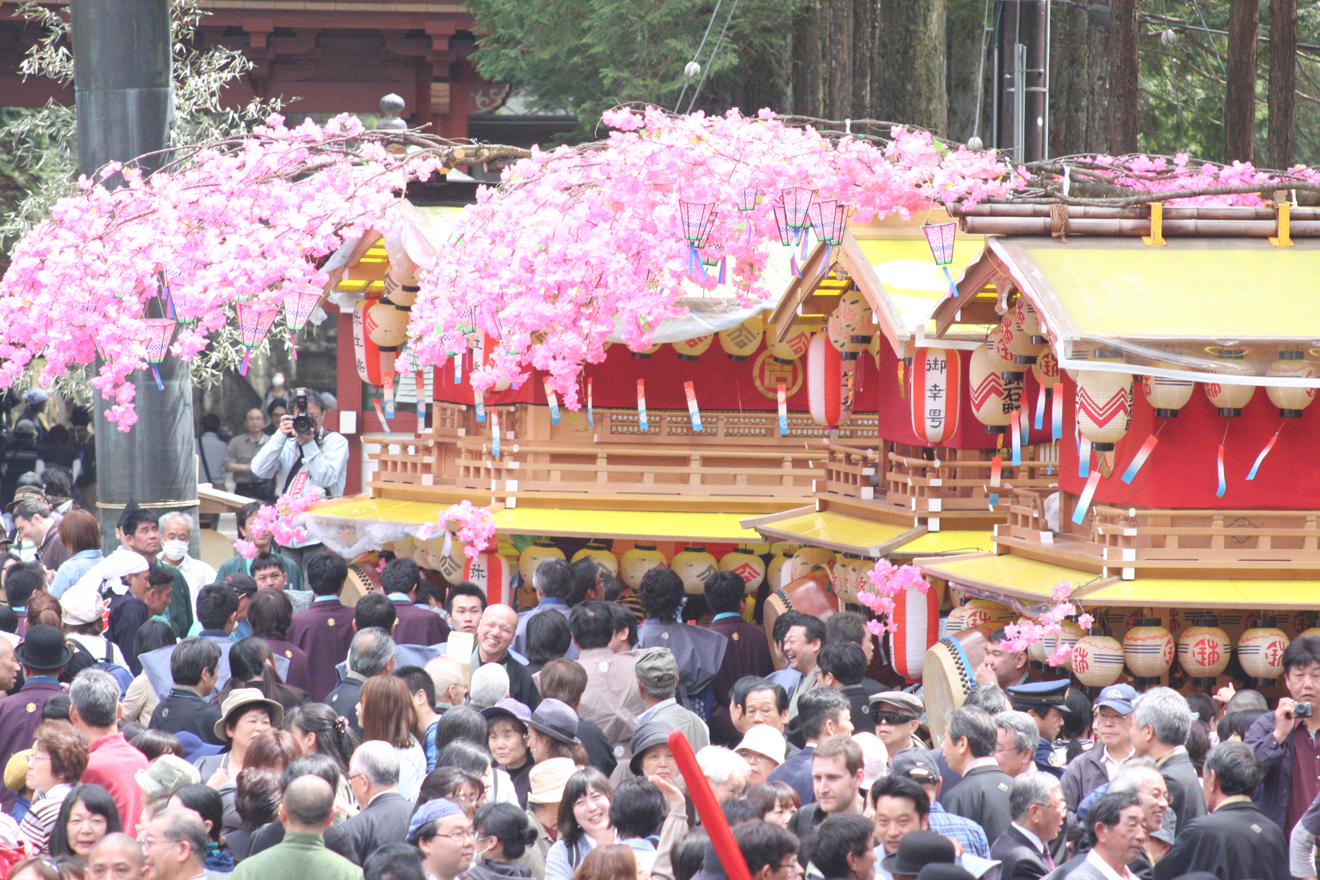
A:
839	51
1079	81
865	46
1240	97
963	67
1283	82
1123	88
809	70
909	75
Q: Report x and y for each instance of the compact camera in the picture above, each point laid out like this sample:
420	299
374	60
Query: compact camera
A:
1301	710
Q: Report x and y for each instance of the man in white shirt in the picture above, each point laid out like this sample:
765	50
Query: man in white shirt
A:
176	531
1120	832
1113	735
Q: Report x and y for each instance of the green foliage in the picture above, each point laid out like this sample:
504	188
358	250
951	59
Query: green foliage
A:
588	57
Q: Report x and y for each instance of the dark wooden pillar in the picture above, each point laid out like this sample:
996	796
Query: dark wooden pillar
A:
1240	96
1283	82
1123	90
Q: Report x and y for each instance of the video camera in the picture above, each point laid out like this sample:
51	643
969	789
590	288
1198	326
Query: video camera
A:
302	422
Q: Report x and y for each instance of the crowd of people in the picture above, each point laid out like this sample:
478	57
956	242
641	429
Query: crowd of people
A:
169	721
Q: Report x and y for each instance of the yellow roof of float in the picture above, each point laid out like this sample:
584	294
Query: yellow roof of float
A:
948	542
1206	593
1014	576
660	525
851	534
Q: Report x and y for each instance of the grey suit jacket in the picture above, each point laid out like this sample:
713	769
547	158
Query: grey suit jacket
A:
385	820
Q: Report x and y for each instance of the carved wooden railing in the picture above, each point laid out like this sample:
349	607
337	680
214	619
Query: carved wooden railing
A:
1175	540
960	480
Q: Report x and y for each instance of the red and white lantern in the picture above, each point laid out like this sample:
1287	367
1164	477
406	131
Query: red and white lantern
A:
993	398
490	572
1290	400
829	385
1001	356
1260	650
917	627
747	565
793	346
691	349
1046	369
1148	649
1097	660
1104	407
1204	649
1229	399
1167	396
1020	334
936	394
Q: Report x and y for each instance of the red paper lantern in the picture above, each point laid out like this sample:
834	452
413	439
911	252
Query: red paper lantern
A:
490	572
365	352
1167	396
829	391
993	398
1290	401
936	394
917	622
1104	407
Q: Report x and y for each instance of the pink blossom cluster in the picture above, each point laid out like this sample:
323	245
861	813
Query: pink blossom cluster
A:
1179	172
578	241
474	526
889	580
222	224
1021	635
279	520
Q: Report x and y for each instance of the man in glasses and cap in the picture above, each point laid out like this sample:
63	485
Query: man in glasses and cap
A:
897	715
1045	701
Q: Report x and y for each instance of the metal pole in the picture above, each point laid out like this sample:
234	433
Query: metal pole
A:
125	101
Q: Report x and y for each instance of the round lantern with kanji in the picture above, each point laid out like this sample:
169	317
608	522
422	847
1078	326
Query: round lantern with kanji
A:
1070	632
850	326
1001	356
1148	649
993	399
936	394
1104	407
637	561
794	344
1166	396
1290	400
598	552
695	566
491	573
1229	399
1260	650
1204	649
742	340
747	565
979	612
1021	330
1097	660
808	559
1046	369
694	348
916	619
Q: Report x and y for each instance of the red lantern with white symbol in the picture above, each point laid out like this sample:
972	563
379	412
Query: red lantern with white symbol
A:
917	628
936	394
1167	396
691	349
829	385
490	572
1290	401
991	401
1104	407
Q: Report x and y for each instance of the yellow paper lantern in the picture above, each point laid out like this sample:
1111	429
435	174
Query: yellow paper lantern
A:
599	553
1019	338
386	325
1148	649
1097	661
808	559
450	565
1260	650
747	565
637	561
741	342
1290	401
794	344
1046	368
1035	650
1167	396
695	566
980	612
1104	407
1230	399
538	552
993	398
1001	356
844	578
404	546
400	284
1204	649
1069	634
850	325
691	349
775	565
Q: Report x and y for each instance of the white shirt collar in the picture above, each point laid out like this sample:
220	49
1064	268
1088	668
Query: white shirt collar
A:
1030	835
1093	858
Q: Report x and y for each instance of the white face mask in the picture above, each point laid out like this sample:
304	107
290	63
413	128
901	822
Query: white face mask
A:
174	549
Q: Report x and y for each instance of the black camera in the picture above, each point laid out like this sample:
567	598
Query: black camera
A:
1301	710
302	422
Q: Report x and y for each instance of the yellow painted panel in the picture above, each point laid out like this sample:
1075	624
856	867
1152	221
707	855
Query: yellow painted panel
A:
1184	290
953	541
837	528
1207	593
906	269
1015	575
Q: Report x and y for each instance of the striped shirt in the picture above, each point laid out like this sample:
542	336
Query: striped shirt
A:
40	819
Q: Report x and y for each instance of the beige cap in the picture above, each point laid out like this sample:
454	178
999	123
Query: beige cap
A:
16	771
764	740
547	780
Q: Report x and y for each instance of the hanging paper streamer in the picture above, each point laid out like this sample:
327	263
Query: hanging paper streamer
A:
781	395
1083	456
380	414
1026	423
1015	428
458	368
1056	413
1264	452
419	378
495	434
254	320
479	401
299	303
996	476
591	410
1139	460
389	395
641	405
690	392
1040	407
552	399
1084	500
1223	484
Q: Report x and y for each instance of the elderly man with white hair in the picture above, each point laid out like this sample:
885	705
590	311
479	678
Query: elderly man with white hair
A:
176	533
725	770
1038	808
490	684
1018	736
373	773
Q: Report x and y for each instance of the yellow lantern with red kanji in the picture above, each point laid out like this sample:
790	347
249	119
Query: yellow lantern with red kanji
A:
1165	395
691	349
1001	356
1046	369
794	344
1148	649
1020	332
1260	650
993	398
1097	660
1204	649
1104	407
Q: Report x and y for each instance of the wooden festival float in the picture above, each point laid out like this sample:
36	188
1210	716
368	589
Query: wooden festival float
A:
1188	505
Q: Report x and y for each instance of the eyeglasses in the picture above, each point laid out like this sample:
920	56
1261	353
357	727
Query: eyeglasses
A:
460	836
893	718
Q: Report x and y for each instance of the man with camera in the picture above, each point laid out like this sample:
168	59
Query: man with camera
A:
302	457
1285	740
